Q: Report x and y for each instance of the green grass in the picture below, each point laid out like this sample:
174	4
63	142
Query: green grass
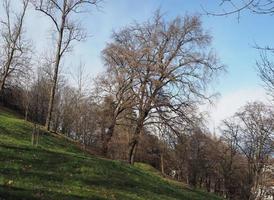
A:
57	169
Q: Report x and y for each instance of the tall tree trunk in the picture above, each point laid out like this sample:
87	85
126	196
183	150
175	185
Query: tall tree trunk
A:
255	186
135	140
55	75
6	69
37	136
132	151
2	83
26	113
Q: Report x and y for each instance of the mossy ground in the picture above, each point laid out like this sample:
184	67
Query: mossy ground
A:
57	169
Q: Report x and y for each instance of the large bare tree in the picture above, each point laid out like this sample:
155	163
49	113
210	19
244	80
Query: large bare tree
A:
62	14
169	65
113	89
252	130
14	53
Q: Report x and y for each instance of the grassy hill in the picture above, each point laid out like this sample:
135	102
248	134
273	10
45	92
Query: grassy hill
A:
57	169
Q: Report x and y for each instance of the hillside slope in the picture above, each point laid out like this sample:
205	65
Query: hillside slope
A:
57	169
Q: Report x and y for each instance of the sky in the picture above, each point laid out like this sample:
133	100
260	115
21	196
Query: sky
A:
233	41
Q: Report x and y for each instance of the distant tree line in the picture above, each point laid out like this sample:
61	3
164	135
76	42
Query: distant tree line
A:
144	106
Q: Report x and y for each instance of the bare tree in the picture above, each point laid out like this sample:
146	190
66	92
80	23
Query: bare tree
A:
168	63
252	131
62	14
14	54
82	105
113	89
232	162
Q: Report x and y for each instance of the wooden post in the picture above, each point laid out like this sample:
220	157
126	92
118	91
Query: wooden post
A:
37	137
33	134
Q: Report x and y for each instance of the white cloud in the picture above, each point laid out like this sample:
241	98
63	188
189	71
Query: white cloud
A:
231	102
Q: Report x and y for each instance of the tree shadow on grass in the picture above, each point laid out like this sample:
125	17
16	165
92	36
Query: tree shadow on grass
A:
14	193
18	132
18	148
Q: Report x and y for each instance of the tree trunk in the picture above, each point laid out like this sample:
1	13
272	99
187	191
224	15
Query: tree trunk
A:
26	112
84	141
33	134
55	76
2	85
162	163
255	186
2	91
6	68
132	151
52	91
135	140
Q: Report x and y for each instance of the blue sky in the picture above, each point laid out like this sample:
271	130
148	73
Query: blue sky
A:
232	40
